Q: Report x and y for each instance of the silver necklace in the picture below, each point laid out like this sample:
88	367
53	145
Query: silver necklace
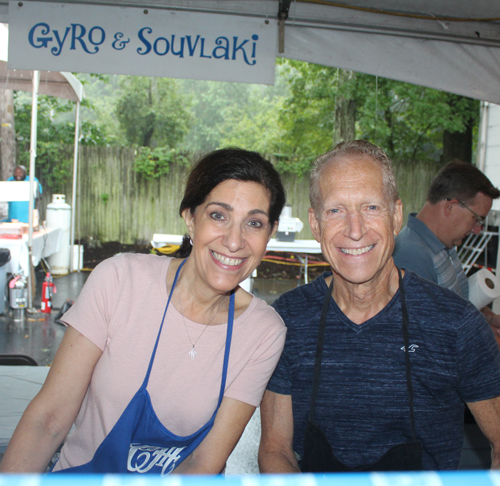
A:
192	351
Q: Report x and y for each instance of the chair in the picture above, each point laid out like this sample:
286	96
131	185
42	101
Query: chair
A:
17	360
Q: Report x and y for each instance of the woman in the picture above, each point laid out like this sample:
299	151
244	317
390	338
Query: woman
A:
165	360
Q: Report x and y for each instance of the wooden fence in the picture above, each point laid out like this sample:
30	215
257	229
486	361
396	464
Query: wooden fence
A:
114	203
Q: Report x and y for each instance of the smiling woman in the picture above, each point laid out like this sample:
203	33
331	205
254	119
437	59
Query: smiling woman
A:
165	359
230	232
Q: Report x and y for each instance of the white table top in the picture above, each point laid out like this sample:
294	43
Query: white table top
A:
18	386
45	243
297	246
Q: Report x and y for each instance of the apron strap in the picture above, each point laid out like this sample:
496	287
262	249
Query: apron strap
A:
151	361
406	339
229	335
319	350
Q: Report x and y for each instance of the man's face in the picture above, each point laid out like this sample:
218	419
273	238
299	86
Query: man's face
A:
357	221
462	222
19	174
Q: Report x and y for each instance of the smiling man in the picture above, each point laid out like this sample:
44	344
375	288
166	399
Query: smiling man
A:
377	363
459	199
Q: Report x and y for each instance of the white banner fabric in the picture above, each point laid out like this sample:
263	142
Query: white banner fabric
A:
143	42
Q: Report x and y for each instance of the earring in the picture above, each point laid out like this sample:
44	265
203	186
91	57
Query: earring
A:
191	241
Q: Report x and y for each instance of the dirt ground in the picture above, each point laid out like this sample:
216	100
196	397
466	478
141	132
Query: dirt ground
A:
288	268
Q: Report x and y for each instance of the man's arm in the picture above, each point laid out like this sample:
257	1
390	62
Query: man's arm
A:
276	444
487	415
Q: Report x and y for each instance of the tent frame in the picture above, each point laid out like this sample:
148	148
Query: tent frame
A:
33	143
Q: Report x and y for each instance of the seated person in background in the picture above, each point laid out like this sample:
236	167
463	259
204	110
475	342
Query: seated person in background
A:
459	199
377	362
165	359
19	210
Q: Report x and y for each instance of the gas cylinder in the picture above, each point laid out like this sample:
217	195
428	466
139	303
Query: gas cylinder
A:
48	288
59	216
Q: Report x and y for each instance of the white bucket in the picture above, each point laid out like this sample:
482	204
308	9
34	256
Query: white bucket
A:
77	258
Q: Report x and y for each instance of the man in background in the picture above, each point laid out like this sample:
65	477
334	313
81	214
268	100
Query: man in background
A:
459	199
19	210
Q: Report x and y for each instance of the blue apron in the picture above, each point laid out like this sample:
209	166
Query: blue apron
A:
139	443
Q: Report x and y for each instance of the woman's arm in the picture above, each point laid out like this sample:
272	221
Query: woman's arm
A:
211	455
48	418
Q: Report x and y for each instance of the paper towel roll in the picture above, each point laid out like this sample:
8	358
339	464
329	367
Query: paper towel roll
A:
484	288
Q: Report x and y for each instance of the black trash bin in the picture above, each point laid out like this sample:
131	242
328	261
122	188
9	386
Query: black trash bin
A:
4	259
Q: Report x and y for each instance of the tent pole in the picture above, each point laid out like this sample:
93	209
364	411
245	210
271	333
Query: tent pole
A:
483	135
73	198
33	140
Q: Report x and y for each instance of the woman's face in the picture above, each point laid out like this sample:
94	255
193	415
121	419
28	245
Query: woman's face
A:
230	232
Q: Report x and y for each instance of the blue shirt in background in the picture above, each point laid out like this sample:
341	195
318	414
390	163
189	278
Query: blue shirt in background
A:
20	209
418	249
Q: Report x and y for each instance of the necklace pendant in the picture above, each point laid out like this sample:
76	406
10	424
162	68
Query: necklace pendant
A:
192	353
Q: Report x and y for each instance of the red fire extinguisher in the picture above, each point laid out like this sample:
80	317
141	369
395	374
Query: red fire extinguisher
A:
48	287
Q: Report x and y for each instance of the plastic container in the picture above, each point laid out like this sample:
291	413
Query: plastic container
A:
59	216
4	259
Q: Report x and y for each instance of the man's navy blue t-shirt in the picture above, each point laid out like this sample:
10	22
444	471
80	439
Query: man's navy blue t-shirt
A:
362	403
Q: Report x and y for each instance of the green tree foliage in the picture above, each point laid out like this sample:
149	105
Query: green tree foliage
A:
152	112
408	121
102	92
55	138
307	118
211	103
308	110
152	163
236	114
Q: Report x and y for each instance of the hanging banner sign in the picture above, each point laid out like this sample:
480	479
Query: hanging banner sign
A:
144	42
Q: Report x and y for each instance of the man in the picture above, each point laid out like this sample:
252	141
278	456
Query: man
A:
398	355
19	210
458	201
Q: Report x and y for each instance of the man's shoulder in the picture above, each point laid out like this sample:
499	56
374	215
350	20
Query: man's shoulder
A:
409	239
315	289
432	298
412	253
301	301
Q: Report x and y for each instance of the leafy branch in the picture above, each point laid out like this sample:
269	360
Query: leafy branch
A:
153	163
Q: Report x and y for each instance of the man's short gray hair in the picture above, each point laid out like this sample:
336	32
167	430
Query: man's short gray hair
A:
353	148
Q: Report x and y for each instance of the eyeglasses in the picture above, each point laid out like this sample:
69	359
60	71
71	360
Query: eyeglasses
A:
479	220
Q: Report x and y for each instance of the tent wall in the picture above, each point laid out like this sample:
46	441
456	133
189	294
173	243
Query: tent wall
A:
463	69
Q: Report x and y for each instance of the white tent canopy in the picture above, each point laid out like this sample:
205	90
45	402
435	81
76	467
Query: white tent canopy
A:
451	45
58	84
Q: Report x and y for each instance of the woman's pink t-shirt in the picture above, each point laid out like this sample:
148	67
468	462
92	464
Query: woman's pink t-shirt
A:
120	311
